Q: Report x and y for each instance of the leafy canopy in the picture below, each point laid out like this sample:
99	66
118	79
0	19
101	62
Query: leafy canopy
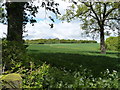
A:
94	15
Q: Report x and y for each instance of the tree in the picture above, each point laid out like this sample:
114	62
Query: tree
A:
95	17
17	17
18	14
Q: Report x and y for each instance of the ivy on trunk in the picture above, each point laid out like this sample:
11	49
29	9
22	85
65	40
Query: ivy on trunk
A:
15	21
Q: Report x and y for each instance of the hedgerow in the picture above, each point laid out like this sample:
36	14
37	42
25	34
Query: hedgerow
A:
56	41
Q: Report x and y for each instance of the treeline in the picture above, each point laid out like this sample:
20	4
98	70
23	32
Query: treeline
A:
56	41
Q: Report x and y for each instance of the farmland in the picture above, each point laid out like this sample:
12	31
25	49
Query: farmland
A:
72	56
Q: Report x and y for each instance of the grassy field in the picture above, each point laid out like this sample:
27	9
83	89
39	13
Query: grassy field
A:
72	56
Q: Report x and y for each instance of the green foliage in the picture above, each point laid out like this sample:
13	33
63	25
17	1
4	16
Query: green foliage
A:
37	75
93	15
107	80
2	15
13	52
57	41
112	43
45	76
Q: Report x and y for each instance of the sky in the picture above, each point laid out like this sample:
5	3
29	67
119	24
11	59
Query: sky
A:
41	29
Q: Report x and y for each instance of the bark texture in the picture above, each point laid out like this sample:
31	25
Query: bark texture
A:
15	21
102	41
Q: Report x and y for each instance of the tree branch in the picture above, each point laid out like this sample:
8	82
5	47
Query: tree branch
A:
93	28
100	11
110	27
90	6
104	10
92	16
86	4
95	15
108	13
113	19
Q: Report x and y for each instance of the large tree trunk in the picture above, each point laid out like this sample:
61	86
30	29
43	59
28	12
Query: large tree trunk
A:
15	18
15	21
102	41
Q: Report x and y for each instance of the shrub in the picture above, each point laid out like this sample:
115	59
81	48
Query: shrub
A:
51	77
36	78
13	52
113	43
45	76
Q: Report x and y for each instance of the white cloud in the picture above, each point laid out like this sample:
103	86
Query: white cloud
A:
3	29
67	30
61	30
41	29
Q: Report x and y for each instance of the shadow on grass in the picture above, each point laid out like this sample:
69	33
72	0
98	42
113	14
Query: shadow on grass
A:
73	62
98	52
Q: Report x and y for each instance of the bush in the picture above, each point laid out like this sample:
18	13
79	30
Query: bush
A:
12	53
36	78
45	76
113	43
50	77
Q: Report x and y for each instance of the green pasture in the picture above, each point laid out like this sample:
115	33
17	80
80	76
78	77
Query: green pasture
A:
72	56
